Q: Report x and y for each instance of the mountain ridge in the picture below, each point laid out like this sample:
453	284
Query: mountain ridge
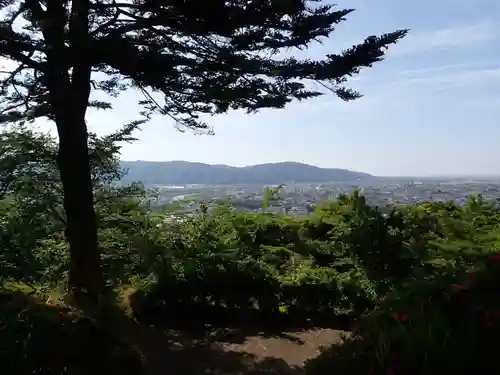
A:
184	172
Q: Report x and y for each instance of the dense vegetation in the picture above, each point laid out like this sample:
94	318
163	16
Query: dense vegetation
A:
201	60
183	172
421	282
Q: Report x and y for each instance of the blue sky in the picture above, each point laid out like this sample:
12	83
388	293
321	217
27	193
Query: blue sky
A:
432	108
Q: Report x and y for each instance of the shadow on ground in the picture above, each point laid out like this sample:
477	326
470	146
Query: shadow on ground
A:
227	351
223	324
43	339
197	339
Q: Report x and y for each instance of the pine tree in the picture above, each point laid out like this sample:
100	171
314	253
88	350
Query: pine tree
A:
201	57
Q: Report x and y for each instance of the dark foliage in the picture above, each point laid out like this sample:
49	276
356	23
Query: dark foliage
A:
40	339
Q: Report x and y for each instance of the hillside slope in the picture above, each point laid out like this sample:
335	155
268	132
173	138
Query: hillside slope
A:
182	172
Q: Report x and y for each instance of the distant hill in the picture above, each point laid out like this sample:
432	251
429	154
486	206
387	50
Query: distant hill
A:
183	172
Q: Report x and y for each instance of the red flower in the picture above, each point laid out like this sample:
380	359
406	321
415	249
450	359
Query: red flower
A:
469	277
459	287
399	315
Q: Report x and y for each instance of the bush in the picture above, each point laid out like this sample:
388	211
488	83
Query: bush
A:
252	265
433	328
396	270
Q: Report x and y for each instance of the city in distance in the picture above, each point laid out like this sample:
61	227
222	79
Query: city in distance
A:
187	183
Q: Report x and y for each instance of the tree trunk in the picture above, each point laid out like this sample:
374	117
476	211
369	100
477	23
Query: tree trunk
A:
85	274
69	95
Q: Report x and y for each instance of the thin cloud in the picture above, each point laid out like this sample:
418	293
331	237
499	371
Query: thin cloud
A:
442	39
423	87
448	68
449	77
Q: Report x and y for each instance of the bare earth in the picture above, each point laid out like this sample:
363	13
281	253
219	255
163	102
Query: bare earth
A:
228	352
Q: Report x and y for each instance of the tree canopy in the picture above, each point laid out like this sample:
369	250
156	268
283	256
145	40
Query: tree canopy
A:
202	59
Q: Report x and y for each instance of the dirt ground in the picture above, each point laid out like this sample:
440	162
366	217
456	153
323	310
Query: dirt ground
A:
229	351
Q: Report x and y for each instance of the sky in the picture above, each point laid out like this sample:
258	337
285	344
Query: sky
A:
431	108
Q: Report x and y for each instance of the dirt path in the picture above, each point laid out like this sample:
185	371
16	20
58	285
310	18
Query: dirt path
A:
229	352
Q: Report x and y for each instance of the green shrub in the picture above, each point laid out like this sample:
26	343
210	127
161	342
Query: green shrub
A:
432	328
